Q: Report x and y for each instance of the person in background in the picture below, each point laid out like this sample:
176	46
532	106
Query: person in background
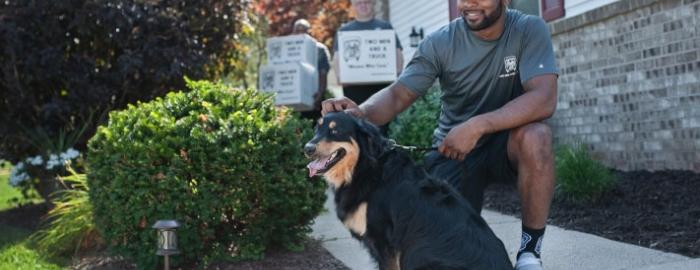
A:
302	26
498	78
364	20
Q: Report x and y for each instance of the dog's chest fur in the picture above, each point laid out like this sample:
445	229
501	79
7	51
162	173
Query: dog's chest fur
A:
356	221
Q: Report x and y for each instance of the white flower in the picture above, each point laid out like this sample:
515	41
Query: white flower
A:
53	162
69	154
36	161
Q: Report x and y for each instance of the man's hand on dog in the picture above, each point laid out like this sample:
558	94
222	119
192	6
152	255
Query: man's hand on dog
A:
341	104
460	140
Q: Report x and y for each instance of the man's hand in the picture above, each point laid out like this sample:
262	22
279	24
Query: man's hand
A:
461	139
341	104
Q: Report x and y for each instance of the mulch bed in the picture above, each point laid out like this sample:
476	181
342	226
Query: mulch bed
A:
659	210
314	256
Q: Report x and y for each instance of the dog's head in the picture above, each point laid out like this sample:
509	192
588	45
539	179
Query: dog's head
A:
340	143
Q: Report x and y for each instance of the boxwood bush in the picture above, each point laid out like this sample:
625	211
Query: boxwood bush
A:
226	163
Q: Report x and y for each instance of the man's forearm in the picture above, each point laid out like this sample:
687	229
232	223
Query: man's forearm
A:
383	106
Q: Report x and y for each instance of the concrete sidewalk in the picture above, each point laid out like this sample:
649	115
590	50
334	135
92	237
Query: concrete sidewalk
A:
562	249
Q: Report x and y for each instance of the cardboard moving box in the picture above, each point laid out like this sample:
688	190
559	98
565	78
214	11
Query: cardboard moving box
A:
292	49
367	56
293	84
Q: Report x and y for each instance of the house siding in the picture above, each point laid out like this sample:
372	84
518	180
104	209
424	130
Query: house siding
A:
429	15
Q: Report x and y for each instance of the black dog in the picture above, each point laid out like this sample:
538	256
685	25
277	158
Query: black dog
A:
406	219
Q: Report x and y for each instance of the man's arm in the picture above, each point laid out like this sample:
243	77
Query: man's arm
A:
537	103
380	108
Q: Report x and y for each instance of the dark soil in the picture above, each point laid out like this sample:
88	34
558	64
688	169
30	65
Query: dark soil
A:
314	256
659	210
25	217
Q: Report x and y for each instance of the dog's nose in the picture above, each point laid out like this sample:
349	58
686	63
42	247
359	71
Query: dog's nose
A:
309	149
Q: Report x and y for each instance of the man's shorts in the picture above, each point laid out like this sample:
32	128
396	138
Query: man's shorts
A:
484	165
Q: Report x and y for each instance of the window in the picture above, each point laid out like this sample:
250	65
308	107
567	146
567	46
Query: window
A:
552	9
454	9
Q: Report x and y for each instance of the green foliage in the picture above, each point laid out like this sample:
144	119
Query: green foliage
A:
7	193
580	178
65	60
9	196
16	253
226	163
70	226
415	126
252	43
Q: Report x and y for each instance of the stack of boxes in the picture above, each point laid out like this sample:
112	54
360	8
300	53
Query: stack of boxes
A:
291	72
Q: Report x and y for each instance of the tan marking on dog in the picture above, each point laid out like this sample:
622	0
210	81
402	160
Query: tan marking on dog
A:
332	124
341	173
357	221
394	263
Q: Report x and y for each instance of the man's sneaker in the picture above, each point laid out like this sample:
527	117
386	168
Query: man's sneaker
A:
528	261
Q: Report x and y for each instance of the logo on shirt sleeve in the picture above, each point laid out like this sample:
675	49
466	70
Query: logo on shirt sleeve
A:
511	65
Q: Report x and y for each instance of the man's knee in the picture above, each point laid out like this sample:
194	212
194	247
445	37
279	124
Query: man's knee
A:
531	141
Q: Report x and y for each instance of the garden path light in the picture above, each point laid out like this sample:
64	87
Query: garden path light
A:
167	239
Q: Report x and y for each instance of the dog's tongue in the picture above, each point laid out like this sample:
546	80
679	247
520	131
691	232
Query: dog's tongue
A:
314	167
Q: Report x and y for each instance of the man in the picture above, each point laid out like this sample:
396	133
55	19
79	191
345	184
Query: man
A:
364	20
302	26
499	78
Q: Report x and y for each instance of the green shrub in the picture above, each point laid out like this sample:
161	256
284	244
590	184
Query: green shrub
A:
70	226
226	163
580	178
415	126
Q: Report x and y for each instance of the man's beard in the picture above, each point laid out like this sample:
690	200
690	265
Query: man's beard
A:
489	19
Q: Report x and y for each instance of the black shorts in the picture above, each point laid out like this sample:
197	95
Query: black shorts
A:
484	165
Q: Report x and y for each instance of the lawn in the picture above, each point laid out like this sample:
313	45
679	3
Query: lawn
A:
7	193
15	251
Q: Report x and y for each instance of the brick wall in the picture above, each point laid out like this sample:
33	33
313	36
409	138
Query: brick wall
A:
629	86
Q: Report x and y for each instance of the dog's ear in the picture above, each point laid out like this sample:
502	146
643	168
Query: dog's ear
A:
370	139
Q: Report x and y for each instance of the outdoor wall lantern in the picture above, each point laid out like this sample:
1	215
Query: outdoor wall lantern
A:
167	239
415	37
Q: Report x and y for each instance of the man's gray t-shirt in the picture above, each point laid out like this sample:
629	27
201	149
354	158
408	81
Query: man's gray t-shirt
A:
373	24
478	76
